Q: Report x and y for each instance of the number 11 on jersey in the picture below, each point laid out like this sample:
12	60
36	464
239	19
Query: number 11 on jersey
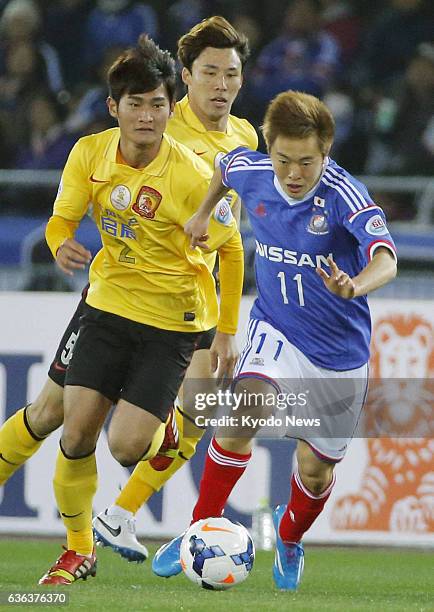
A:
297	279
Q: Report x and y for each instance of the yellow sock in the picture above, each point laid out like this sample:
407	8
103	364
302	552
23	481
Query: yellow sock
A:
145	481
17	445
75	483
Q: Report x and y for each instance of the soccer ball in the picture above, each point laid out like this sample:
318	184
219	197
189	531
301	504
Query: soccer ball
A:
217	553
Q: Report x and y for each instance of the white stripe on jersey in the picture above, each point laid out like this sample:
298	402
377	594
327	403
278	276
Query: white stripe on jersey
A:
380	243
241	168
353	188
347	187
339	190
243	159
367	209
250	335
240	160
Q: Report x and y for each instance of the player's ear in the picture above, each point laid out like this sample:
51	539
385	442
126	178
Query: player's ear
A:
327	148
112	107
186	76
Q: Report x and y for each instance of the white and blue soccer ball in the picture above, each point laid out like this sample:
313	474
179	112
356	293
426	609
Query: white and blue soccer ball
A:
217	553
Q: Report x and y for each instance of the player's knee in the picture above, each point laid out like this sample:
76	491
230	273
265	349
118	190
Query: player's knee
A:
77	444
45	414
316	479
128	452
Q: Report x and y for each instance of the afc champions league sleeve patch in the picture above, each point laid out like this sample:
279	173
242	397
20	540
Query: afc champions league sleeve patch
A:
376	226
120	197
223	212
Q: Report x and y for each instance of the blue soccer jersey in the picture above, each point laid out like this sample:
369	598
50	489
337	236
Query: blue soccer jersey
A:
336	218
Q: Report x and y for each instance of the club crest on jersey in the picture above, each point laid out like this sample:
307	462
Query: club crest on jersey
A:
120	197
148	200
376	226
318	224
223	213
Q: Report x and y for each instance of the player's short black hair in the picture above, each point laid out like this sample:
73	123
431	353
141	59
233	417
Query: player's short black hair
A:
141	69
214	32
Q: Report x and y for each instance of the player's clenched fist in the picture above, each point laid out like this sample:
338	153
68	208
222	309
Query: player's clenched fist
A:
71	255
338	281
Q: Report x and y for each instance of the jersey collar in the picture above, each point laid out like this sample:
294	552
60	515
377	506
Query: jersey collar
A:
308	195
155	168
193	121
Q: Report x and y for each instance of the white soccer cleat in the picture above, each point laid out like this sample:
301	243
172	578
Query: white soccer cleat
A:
119	532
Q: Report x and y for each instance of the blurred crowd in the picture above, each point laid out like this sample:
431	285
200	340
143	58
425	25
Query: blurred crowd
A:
371	61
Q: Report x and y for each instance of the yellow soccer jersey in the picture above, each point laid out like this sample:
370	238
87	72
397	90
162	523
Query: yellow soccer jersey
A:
185	127
146	271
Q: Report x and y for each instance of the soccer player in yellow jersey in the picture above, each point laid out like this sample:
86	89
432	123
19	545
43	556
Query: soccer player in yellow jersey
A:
150	296
212	55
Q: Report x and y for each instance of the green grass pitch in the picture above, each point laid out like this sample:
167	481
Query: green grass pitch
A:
335	579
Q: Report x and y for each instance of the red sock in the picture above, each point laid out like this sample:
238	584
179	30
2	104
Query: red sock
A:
303	508
221	473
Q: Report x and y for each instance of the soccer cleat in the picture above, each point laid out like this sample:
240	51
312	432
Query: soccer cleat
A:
169	447
70	567
289	559
167	559
119	533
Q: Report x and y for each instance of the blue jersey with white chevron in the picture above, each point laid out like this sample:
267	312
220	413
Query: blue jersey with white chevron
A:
336	218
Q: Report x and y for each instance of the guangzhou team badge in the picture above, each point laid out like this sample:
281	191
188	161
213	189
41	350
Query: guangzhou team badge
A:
148	200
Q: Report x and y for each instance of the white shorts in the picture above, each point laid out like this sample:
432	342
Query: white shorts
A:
320	406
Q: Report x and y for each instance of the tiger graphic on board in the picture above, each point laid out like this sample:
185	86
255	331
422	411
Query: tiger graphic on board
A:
397	488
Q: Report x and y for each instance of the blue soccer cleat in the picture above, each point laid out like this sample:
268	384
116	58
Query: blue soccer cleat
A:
289	561
167	559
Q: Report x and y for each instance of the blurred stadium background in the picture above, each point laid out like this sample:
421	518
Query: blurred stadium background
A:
372	61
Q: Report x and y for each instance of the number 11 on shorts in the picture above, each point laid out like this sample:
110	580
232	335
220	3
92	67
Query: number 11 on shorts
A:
297	279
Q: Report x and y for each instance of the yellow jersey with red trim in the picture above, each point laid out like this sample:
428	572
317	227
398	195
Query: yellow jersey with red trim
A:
146	270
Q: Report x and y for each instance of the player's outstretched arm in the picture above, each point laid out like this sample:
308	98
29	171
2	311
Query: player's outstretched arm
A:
197	227
379	271
224	352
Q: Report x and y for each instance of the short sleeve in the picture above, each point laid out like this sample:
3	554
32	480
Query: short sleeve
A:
369	228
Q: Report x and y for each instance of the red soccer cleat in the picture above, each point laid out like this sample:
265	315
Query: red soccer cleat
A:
70	567
169	447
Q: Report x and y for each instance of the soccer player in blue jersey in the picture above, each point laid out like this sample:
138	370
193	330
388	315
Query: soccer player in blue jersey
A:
322	246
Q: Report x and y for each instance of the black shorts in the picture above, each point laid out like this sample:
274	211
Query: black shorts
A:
57	370
59	365
123	359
